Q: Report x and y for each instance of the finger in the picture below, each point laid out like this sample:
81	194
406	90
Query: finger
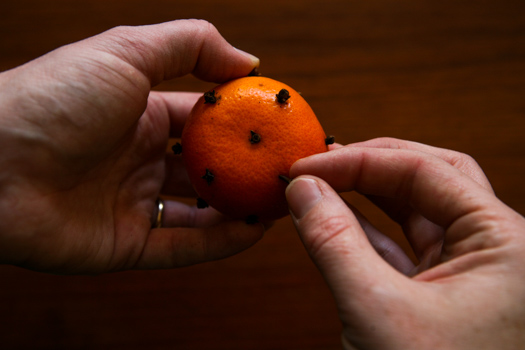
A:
174	106
335	241
177	247
173	49
176	182
413	225
433	187
177	214
461	161
389	250
334	146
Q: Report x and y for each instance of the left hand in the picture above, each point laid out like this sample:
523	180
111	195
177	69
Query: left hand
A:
83	142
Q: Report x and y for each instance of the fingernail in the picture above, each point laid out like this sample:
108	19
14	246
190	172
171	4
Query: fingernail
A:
302	194
255	60
255	72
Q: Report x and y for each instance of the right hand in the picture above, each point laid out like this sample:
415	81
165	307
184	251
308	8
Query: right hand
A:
468	290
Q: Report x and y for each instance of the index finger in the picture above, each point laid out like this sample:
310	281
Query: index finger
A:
462	161
432	186
175	106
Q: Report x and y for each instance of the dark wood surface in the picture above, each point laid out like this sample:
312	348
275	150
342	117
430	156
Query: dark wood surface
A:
448	73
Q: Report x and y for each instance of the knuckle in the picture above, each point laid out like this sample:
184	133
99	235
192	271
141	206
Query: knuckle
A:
463	161
120	33
469	166
389	142
328	230
203	26
124	41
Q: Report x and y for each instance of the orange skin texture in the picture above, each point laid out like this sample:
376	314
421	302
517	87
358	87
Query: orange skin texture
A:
217	137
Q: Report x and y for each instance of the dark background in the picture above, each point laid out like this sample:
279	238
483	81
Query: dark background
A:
449	73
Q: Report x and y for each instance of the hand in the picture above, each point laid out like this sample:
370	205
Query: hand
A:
83	143
468	290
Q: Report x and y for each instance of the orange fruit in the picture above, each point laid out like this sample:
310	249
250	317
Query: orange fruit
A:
239	142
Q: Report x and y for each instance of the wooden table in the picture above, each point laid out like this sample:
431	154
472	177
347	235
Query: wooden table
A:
449	73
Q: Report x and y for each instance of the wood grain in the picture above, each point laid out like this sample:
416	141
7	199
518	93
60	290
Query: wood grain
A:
448	73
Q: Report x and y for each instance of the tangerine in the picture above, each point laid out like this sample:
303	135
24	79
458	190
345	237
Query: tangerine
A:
239	142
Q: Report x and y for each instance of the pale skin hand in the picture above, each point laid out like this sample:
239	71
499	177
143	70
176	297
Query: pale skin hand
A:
468	292
83	161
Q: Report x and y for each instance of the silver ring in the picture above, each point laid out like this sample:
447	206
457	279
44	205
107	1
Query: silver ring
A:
160	214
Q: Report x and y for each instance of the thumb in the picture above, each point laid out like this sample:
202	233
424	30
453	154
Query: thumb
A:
335	240
174	49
